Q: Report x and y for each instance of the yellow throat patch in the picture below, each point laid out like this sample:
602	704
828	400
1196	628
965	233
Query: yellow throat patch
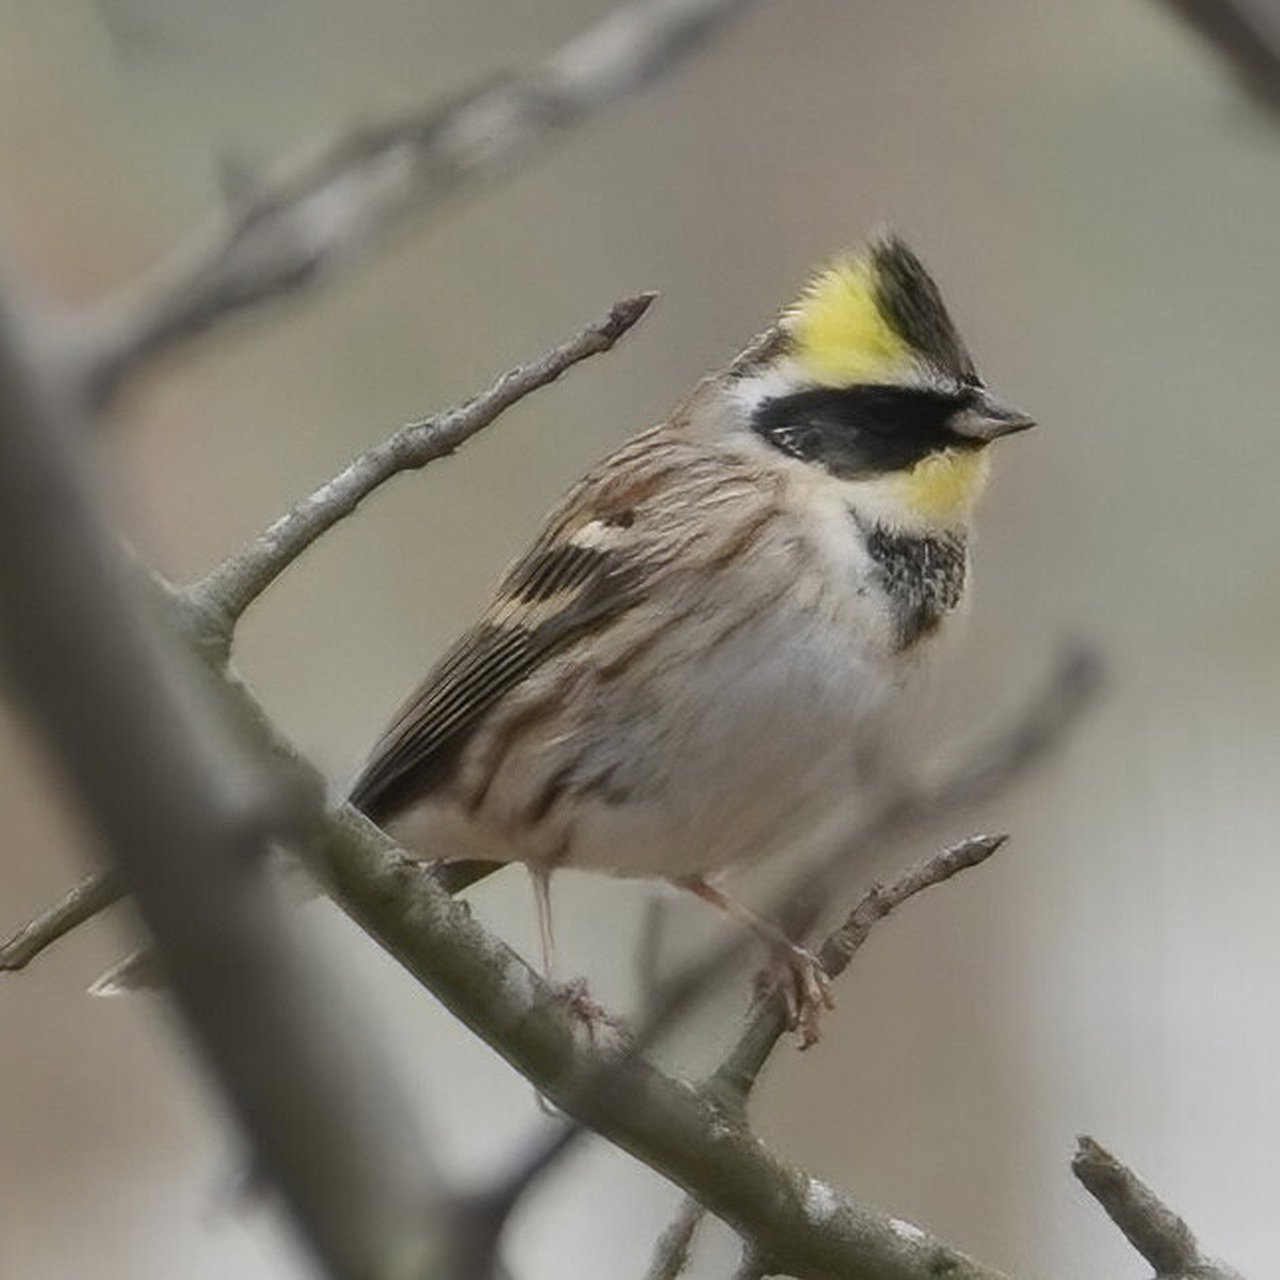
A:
943	488
841	334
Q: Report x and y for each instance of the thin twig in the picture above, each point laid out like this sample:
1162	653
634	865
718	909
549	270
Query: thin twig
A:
741	1067
737	1074
95	893
1246	34
1154	1230
328	209
91	896
225	593
214	604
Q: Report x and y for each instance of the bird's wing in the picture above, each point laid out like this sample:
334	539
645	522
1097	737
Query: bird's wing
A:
599	554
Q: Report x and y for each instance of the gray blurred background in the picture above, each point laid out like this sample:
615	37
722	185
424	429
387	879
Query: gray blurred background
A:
1101	208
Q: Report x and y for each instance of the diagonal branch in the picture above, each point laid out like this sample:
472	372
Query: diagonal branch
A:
738	1073
225	593
328	209
812	1231
1154	1230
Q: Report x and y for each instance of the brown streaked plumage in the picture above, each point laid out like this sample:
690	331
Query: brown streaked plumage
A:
695	662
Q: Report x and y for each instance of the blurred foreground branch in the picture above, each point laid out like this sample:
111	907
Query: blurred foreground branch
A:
129	722
130	718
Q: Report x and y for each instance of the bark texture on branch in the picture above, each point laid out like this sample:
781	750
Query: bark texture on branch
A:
1153	1229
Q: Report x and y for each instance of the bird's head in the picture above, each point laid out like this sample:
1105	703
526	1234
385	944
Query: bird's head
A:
866	379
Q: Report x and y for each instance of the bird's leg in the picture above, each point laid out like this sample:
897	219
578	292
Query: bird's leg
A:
541	879
794	970
575	992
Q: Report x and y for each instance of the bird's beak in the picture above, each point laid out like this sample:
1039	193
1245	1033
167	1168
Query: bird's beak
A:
987	419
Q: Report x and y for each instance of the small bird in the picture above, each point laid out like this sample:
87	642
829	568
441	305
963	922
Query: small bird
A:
694	664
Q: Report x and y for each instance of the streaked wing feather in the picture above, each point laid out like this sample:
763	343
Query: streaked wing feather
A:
615	534
589	587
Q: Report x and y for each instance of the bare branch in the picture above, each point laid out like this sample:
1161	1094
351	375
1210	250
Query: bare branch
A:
811	1230
92	895
327	209
741	1067
1246	34
1154	1230
127	720
737	1074
671	1253
224	595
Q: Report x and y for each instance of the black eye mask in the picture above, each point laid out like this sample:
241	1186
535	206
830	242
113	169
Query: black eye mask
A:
862	431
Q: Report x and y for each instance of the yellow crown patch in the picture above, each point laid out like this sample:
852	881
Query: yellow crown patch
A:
840	330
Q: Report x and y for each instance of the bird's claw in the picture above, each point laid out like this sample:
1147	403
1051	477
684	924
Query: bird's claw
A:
584	1008
797	975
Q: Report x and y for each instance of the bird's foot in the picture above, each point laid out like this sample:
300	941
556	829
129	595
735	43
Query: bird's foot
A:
585	1009
803	985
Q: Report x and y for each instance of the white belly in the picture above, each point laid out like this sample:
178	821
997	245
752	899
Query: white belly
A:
744	725
755	748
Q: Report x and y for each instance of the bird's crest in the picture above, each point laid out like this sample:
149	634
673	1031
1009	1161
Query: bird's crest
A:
873	317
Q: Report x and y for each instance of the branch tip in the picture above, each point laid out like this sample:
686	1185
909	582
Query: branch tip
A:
1150	1226
625	314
